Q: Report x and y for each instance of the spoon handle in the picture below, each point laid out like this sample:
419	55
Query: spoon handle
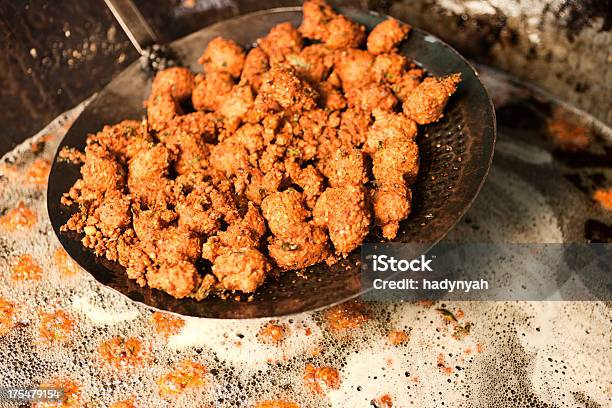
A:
133	23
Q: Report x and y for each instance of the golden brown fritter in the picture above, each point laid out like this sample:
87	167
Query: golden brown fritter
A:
195	213
284	211
331	98
282	40
406	83
388	126
244	269
386	36
309	179
256	64
101	172
344	33
202	125
124	139
391	203
425	103
176	243
354	68
281	85
222	55
305	247
192	152
147	175
345	213
346	167
161	109
389	67
317	16
236	105
209	92
229	158
176	81
396	161
179	279
292	155
114	213
313	62
354	126
371	96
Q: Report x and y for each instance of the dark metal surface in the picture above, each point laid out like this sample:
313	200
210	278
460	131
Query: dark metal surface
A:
455	157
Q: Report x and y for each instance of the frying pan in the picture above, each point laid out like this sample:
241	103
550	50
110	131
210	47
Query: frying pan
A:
455	157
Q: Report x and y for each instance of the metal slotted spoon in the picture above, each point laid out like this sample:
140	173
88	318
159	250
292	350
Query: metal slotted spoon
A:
455	157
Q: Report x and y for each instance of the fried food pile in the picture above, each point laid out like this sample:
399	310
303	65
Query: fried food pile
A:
273	159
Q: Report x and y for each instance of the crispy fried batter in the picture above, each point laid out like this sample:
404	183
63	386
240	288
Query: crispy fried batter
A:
223	55
425	103
386	36
209	92
346	215
176	81
256	64
282	40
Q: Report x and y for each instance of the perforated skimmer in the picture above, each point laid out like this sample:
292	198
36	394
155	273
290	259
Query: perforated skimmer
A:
455	157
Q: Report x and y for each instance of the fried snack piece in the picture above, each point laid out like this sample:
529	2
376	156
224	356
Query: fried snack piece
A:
391	204
309	179
114	213
176	81
101	172
345	213
240	235
123	140
386	36
331	98
346	168
147	174
282	40
186	375
179	279
244	269
354	68
209	92
281	85
389	67
191	151
354	127
344	33
161	109
198	124
425	103
313	62
371	96
317	16
236	105
296	244
320	379
276	404
272	332
396	161
222	55
256	64
388	126
229	158
284	211
305	247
